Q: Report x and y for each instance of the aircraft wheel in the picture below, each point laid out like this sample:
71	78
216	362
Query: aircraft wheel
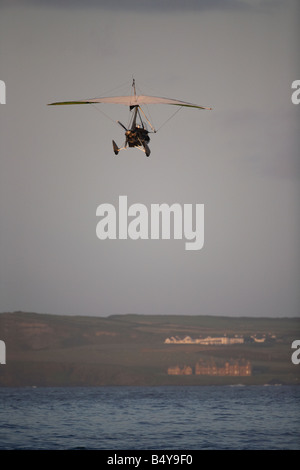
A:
147	150
115	147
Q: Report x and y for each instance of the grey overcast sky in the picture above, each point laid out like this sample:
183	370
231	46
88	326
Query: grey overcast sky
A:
240	160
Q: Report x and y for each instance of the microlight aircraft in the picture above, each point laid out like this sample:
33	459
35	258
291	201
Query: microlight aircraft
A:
136	133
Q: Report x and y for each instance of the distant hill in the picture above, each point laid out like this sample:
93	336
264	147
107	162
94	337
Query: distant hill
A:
60	350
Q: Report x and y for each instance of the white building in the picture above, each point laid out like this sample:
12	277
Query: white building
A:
205	341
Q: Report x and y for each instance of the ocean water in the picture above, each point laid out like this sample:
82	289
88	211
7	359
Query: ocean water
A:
145	418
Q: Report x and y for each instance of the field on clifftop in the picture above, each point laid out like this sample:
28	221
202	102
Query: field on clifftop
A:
60	350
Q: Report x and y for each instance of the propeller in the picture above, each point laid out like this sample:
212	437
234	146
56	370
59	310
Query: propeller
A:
122	125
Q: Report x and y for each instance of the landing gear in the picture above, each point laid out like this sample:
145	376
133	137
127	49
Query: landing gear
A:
143	146
115	147
147	150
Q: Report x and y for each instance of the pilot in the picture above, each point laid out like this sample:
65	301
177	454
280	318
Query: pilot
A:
142	133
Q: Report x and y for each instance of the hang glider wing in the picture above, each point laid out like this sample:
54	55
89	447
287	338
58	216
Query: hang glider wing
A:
134	100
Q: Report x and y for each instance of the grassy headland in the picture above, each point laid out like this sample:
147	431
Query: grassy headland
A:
60	350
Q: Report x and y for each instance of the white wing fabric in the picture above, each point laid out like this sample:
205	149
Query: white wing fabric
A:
134	100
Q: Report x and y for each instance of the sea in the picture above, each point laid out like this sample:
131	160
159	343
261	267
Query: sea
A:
145	418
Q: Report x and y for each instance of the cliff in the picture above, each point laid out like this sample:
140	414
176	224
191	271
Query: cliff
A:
60	350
